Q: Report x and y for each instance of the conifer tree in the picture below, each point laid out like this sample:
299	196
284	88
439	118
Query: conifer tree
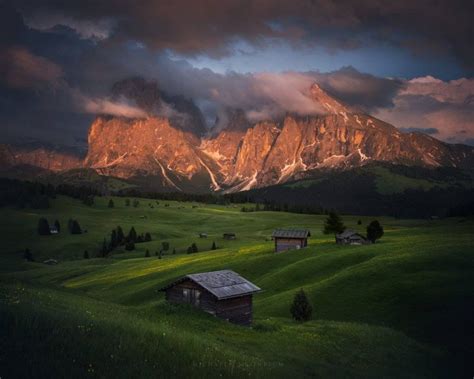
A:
214	247
147	253
132	235
301	309
57	225
43	227
75	227
113	239
104	250
374	231
333	224
194	248
111	203
27	255
120	235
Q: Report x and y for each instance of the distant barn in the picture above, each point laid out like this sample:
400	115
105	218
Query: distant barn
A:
351	237
224	294
229	236
287	239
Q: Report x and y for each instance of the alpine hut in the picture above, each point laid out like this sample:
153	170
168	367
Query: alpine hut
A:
229	236
224	294
287	239
351	237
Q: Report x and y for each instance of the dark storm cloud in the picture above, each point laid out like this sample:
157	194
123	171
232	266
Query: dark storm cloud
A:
209	26
361	90
52	81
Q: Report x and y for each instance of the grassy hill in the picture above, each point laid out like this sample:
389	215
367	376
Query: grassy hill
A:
400	308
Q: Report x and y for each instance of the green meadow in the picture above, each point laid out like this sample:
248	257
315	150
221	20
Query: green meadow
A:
401	308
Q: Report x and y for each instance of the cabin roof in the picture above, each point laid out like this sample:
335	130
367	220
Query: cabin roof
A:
349	233
291	233
223	284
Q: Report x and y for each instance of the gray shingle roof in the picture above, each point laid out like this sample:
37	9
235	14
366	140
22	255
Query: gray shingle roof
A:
348	233
291	233
223	284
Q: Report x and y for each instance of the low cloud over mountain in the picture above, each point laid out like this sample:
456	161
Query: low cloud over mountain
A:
55	78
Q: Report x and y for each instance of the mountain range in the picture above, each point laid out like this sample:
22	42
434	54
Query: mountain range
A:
170	149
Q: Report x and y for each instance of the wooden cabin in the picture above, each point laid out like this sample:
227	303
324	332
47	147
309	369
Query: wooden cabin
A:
288	239
224	294
229	236
351	237
202	235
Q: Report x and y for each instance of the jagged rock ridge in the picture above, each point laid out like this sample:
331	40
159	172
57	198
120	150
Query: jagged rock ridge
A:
242	156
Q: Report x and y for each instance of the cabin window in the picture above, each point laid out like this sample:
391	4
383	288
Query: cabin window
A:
196	297
185	294
191	295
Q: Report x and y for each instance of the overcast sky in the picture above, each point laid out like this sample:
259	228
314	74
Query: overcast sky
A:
407	62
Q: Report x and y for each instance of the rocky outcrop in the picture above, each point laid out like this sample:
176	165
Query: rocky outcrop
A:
149	147
169	155
43	157
270	154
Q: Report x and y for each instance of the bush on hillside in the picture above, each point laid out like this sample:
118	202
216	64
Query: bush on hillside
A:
43	227
57	225
374	231
301	309
333	224
75	227
28	256
132	235
120	235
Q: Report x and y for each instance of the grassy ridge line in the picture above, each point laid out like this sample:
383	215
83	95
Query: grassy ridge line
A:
418	280
157	340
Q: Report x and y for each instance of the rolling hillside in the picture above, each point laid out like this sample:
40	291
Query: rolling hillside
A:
400	308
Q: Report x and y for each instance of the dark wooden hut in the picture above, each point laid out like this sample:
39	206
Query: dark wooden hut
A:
224	294
351	237
229	236
287	239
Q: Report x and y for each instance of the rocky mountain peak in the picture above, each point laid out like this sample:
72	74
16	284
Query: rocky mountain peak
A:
146	95
330	104
166	152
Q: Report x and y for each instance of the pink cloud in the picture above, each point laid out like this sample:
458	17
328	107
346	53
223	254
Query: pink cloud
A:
427	102
21	69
